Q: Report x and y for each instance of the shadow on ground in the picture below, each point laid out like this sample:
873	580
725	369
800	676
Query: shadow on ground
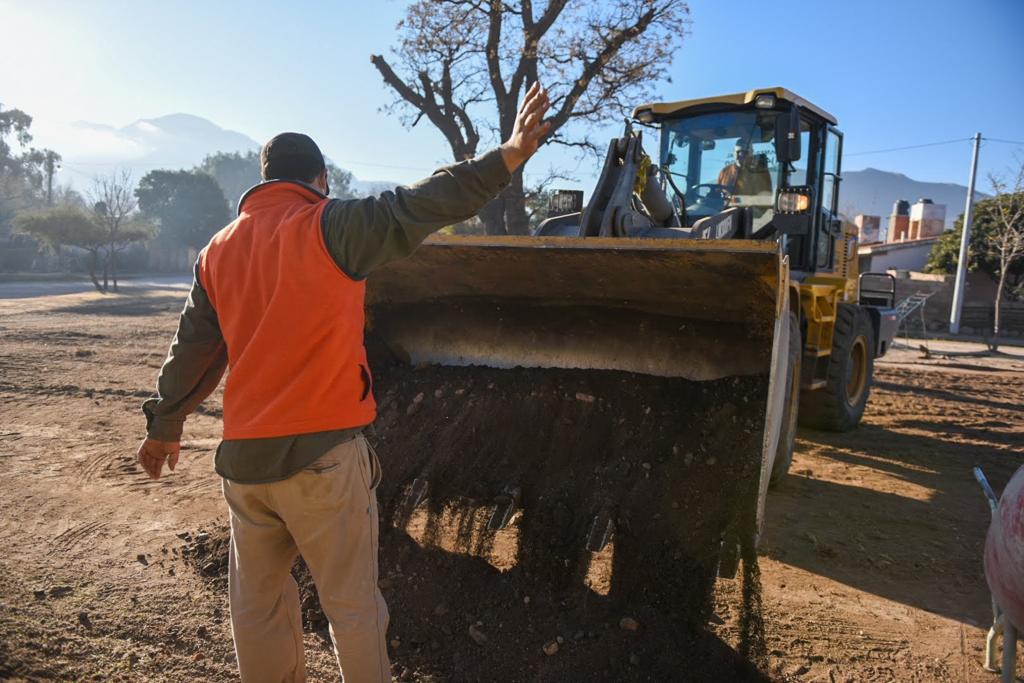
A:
892	507
126	306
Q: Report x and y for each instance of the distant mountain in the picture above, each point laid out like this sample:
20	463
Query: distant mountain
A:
873	192
173	141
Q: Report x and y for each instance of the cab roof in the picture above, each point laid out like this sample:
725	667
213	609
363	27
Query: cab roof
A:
736	99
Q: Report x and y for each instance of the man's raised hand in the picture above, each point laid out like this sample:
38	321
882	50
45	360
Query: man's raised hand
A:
530	127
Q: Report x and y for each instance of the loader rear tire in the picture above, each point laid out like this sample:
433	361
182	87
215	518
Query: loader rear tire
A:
787	429
839	406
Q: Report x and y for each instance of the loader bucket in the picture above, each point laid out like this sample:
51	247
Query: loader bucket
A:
672	308
591	416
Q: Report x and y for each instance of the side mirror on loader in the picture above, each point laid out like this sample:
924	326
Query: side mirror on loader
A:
787	136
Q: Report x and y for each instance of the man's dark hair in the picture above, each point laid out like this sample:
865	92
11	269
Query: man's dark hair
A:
291	156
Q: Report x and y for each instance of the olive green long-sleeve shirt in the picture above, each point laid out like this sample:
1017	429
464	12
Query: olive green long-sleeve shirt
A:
361	235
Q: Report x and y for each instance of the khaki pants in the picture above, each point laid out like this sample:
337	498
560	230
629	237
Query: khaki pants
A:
328	513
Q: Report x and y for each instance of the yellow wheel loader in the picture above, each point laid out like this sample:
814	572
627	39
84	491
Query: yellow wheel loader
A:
712	289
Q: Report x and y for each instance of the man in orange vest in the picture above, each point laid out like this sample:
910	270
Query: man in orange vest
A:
278	298
745	175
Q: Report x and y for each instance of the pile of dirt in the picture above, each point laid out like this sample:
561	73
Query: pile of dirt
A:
672	463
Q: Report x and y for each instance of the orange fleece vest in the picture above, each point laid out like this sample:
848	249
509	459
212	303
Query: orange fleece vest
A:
291	318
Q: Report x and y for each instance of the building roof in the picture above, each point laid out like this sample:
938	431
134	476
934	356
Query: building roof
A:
884	247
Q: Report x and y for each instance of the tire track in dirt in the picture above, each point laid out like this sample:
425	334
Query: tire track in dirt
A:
105	466
198	488
68	539
72	390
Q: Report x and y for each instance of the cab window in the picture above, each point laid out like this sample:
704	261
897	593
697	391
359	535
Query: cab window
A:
829	198
720	160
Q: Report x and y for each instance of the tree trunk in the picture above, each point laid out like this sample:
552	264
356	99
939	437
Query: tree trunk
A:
994	344
113	268
92	274
493	216
516	219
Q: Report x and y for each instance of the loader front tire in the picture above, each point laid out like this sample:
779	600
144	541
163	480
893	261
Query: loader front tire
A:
787	429
839	406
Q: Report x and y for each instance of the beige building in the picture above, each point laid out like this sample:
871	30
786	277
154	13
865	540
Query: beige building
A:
927	219
899	222
922	220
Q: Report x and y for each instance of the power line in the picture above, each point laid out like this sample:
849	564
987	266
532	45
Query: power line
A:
899	149
1009	142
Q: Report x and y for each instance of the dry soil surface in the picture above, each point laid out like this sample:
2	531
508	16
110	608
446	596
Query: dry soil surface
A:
869	570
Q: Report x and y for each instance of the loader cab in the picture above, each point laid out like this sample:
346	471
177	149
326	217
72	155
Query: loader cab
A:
740	151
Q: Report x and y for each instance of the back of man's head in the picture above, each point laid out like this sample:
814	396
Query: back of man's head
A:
291	156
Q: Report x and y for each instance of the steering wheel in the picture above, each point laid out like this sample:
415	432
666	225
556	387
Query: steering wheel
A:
713	198
713	191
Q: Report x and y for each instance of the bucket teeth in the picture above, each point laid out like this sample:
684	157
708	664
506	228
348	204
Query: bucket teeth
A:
729	557
505	504
601	530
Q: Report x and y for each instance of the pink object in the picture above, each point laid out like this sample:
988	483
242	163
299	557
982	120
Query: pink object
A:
1004	551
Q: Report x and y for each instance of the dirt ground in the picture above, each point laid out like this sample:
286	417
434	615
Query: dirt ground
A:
869	569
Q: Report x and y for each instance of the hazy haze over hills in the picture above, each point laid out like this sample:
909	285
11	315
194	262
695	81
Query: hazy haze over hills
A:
174	141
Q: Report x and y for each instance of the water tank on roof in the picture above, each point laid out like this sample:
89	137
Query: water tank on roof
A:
901	208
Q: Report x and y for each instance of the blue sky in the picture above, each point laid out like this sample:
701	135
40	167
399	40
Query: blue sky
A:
895	73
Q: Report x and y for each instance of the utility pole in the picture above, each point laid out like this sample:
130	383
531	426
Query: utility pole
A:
965	241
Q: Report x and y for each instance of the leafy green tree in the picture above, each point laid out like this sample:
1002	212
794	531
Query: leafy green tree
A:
982	253
23	169
340	182
188	206
68	226
234	172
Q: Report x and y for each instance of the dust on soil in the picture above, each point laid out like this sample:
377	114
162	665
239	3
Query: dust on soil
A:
870	568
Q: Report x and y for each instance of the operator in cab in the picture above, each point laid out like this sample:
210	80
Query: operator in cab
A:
747	174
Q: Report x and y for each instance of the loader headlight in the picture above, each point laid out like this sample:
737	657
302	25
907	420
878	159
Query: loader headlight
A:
645	116
793	200
765	101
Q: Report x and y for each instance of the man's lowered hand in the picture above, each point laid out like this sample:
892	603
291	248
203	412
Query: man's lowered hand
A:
153	454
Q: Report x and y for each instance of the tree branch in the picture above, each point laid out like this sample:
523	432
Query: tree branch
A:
526	73
426	103
592	68
494	17
396	83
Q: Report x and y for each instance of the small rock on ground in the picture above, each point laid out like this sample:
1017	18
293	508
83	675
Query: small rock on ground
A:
477	635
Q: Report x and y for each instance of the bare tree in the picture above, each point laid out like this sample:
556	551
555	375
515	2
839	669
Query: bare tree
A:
114	205
597	60
1007	240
